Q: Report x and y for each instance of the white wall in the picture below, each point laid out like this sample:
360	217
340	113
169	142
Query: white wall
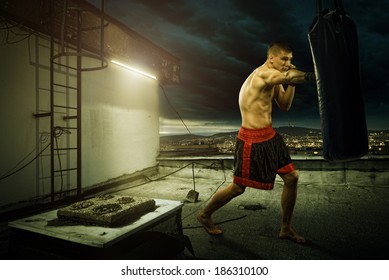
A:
120	123
120	126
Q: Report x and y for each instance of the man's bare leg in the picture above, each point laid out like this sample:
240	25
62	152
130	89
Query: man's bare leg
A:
221	198
288	200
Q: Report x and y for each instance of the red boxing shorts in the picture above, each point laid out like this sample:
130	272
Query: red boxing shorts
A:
260	155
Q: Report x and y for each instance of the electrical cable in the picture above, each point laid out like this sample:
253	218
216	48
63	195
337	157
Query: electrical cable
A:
211	195
197	208
160	178
8	39
181	168
58	131
167	99
17	164
42	139
24	166
170	104
219	223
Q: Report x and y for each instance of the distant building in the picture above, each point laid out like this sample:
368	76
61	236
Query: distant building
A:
380	150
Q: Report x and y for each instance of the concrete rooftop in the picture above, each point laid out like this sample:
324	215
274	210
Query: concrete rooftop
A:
343	212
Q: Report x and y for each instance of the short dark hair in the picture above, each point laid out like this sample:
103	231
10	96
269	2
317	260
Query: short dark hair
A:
276	47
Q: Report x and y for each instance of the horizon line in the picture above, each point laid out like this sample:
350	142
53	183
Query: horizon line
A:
162	134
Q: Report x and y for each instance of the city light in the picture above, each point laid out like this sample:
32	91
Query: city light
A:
309	143
134	69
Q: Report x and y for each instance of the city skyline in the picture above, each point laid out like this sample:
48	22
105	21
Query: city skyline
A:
300	140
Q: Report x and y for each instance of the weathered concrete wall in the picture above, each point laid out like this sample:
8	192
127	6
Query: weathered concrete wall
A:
120	121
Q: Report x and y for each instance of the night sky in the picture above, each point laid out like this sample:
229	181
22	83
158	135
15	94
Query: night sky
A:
221	42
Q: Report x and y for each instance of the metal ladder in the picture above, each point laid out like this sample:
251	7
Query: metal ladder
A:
66	67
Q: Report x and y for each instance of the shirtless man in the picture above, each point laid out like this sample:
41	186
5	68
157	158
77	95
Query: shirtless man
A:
260	152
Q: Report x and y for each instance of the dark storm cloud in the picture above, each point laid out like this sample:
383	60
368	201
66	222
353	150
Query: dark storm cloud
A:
373	31
173	11
220	42
371	16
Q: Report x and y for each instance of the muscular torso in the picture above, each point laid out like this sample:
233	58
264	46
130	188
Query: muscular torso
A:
256	100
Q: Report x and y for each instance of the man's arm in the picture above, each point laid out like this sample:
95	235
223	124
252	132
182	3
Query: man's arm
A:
284	98
290	77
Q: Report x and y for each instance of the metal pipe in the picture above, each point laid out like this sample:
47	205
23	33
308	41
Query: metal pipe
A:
193	177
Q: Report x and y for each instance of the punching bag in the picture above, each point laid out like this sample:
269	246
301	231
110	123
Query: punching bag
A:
334	45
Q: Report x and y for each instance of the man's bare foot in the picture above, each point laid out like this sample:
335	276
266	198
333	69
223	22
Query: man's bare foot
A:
208	225
289	233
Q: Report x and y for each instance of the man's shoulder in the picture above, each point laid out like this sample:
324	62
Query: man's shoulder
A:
264	70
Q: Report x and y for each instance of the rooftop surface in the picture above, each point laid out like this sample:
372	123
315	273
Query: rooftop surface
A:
342	213
341	220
